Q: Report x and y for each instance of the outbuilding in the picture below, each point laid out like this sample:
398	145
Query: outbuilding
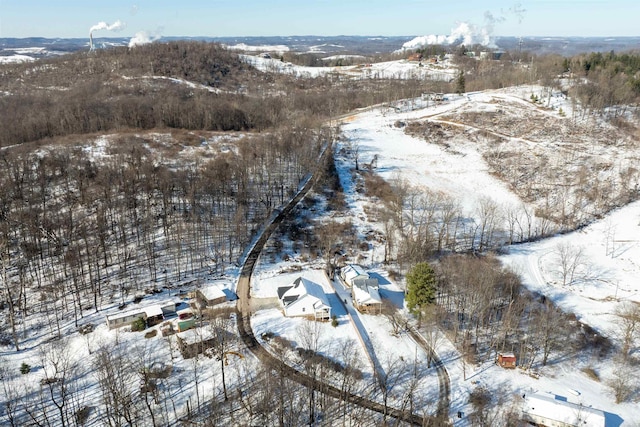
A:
506	360
209	296
366	298
125	318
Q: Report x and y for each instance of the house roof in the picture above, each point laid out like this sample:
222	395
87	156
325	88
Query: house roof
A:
153	310
547	406
212	292
303	289
352	271
364	294
124	314
283	289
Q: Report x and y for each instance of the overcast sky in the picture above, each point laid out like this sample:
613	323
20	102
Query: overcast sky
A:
218	18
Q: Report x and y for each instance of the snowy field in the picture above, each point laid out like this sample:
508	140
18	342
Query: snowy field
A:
383	70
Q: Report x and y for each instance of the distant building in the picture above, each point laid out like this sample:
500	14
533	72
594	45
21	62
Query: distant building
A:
197	341
304	298
547	410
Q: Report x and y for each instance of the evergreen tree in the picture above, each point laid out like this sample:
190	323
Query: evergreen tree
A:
421	287
460	83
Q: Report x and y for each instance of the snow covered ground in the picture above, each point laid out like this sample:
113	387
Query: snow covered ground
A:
383	70
605	277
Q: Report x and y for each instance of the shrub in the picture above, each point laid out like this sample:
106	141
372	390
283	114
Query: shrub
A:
25	369
152	333
334	321
82	415
591	373
266	336
480	397
139	325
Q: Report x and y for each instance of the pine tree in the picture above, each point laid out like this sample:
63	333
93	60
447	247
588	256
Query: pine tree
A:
421	287
460	83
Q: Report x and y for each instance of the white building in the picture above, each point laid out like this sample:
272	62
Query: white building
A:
354	274
304	298
546	410
152	315
366	298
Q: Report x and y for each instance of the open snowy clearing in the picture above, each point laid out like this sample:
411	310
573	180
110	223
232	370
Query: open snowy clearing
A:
401	69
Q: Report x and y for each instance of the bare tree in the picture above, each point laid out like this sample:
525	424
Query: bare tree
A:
117	379
570	259
628	315
223	341
549	326
430	330
10	395
60	371
310	333
398	322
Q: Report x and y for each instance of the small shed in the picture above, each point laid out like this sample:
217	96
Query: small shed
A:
154	315
209	296
507	360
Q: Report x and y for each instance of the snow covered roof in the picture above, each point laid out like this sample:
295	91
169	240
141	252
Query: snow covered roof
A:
153	310
125	314
212	292
300	288
364	294
353	270
546	406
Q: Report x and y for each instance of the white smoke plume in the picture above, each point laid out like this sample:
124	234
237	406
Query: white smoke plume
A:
143	37
116	26
468	34
464	34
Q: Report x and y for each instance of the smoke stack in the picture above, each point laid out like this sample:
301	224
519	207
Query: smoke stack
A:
116	26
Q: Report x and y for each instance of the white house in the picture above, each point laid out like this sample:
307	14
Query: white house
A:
546	410
366	298
354	274
304	298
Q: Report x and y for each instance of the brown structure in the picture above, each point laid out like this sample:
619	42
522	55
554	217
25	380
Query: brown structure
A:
507	360
209	296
